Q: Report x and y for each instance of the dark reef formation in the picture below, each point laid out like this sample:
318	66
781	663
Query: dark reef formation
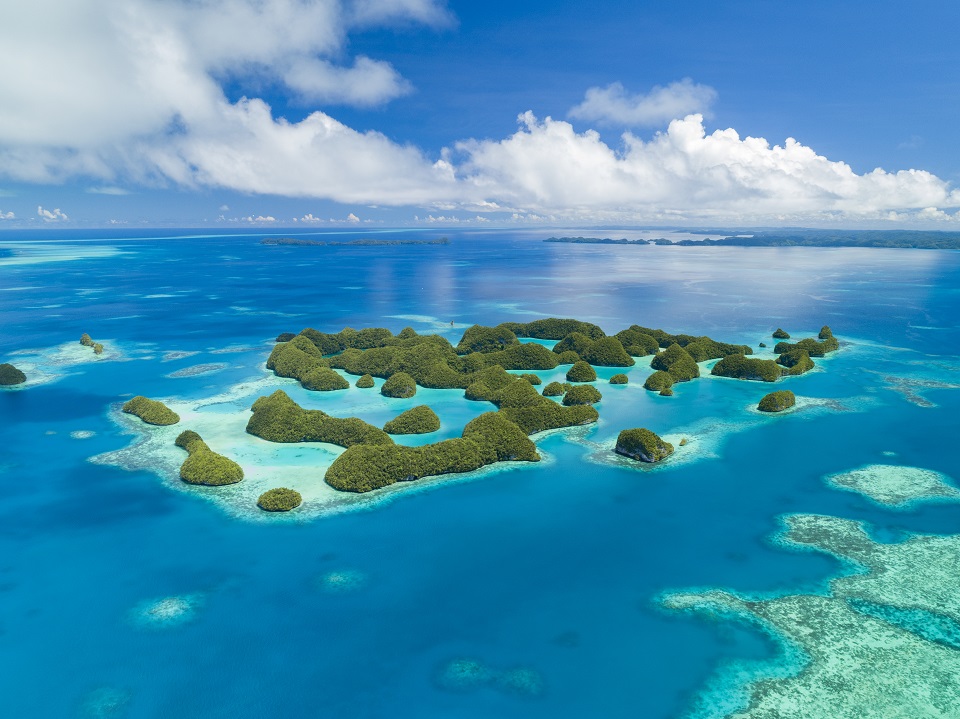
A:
279	499
151	411
777	401
203	465
642	445
418	420
10	375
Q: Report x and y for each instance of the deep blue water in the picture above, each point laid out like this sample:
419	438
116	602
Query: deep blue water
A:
556	568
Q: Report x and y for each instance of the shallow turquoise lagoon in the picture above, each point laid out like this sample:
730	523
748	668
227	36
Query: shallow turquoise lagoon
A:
529	591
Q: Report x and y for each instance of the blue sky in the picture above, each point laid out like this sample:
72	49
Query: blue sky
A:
399	112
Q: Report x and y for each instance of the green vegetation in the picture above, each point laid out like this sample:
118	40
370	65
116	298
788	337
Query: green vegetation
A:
825	333
637	343
97	348
678	362
763	344
278	418
151	411
779	334
323	379
557	389
553	328
813	347
204	466
365	382
582	394
487	439
619	379
279	499
528	355
532	378
581	372
659	381
399	385
741	367
603	352
666	392
285	337
86	340
418	420
642	445
795	362
568	357
486	339
10	375
296	359
777	401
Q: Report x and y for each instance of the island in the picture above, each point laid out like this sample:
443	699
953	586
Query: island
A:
581	394
741	367
203	465
151	411
365	382
487	439
619	379
279	499
10	375
642	445
581	372
400	385
418	420
777	401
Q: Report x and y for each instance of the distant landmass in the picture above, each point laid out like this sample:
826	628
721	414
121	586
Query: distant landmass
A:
350	243
915	239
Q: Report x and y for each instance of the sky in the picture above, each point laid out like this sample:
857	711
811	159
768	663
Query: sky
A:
339	113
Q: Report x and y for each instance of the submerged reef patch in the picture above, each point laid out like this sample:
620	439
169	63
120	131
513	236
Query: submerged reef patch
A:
166	612
895	486
877	645
467	675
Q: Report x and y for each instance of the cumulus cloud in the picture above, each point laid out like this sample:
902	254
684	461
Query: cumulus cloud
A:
7	215
546	166
143	81
47	216
310	219
352	218
613	105
259	218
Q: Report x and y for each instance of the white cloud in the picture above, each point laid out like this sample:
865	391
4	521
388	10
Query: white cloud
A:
130	93
224	208
352	218
7	215
47	216
368	82
259	218
613	105
310	219
547	167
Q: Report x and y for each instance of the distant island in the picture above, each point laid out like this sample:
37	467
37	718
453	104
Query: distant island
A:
906	239
296	242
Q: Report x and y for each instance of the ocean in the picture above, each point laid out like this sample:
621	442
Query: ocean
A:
525	590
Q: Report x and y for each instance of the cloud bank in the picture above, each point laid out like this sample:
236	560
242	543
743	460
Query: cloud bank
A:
117	93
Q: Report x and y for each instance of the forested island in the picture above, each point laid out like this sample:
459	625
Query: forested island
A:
299	242
489	364
800	237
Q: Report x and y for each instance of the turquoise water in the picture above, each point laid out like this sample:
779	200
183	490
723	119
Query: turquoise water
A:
547	577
